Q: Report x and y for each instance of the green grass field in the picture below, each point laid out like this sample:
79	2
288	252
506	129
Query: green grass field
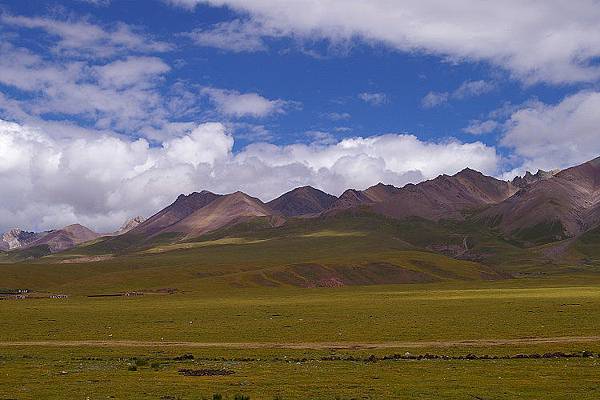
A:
100	374
254	302
241	331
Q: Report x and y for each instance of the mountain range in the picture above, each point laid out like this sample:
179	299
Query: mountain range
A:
532	210
59	239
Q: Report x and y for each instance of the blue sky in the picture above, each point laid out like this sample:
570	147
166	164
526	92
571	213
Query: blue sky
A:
112	108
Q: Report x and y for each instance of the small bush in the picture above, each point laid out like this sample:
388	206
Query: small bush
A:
241	397
184	357
155	365
132	367
217	396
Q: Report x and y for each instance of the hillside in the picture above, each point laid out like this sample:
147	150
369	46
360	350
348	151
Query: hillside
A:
562	206
182	207
66	238
225	210
445	197
304	200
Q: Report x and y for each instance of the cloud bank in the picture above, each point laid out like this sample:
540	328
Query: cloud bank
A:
50	180
556	41
558	135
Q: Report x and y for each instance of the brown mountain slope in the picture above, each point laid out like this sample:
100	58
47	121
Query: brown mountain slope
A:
446	197
564	205
442	197
304	200
226	210
181	208
66	238
375	194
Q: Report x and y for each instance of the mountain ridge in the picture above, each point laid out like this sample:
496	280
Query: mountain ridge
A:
304	200
562	206
534	209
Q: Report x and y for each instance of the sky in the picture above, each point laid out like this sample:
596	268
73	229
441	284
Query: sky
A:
111	108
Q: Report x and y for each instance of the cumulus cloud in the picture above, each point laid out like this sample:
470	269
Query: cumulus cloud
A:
49	180
558	135
236	104
554	41
119	94
375	99
99	75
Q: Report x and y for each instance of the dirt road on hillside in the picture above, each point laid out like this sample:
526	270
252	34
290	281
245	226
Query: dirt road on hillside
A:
308	345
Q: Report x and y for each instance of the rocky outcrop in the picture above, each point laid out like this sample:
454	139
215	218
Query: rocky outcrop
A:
17	239
130	224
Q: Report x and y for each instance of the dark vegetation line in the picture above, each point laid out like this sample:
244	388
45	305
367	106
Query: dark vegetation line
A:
405	356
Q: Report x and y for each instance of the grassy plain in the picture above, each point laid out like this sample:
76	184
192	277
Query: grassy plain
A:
248	300
431	314
35	373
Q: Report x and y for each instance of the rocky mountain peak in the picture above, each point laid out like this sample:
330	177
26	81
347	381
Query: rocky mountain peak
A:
130	224
530	178
16	238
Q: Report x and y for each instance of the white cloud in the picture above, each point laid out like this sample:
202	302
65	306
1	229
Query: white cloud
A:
100	75
434	99
375	99
554	41
320	137
120	94
188	4
237	36
559	135
473	89
236	104
79	37
465	90
477	127
337	116
206	144
249	132
131	71
49	179
99	3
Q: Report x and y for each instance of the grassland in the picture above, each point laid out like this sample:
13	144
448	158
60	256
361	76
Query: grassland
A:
408	315
104	373
249	301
